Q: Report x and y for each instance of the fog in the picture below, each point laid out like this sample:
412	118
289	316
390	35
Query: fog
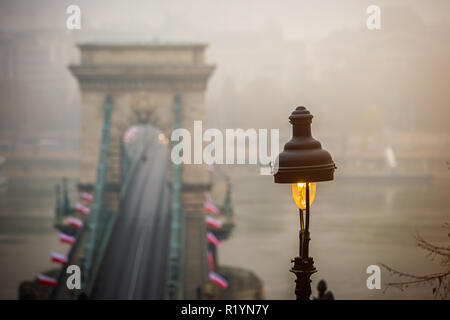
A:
270	56
368	90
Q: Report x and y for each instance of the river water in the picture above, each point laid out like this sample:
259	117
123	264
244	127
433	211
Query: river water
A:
353	225
26	231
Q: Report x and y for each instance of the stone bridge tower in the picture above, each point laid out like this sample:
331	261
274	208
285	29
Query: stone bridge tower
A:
143	80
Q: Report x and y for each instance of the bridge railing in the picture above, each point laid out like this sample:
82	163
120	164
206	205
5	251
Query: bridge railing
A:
174	286
102	217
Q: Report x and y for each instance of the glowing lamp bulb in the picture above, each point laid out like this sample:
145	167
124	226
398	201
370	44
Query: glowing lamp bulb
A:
299	194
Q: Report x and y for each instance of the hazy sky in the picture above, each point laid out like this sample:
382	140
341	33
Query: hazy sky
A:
297	19
280	53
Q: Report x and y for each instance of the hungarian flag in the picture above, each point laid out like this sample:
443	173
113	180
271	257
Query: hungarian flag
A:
209	207
82	209
212	238
58	258
74	222
220	281
213	223
210	261
87	197
47	281
66	238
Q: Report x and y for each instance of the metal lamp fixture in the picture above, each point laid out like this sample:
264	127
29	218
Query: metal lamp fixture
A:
302	163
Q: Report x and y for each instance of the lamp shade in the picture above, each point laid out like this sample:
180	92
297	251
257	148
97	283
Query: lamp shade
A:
303	159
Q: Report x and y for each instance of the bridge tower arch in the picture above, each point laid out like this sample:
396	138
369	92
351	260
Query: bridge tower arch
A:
144	81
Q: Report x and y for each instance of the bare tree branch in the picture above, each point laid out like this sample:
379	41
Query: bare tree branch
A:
440	281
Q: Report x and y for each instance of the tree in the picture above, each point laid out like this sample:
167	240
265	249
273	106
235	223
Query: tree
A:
440	281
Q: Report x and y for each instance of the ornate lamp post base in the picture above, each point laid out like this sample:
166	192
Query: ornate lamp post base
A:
303	269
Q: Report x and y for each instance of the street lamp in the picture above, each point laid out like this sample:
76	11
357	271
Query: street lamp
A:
302	163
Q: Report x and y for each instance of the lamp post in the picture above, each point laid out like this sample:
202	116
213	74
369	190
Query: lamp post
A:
302	163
